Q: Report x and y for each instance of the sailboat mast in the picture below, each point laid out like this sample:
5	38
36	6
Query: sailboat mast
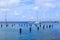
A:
37	16
6	18
36	10
37	20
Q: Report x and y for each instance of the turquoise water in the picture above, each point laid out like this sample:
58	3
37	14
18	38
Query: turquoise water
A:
30	31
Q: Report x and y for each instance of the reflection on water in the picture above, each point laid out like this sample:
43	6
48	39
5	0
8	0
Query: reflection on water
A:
1	25
29	31
6	25
38	28
20	30
44	26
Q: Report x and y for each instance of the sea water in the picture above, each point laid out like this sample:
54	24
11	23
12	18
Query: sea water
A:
12	31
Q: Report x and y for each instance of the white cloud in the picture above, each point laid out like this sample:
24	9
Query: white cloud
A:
50	5
4	9
5	5
58	14
35	8
32	17
46	4
42	6
23	16
8	3
17	13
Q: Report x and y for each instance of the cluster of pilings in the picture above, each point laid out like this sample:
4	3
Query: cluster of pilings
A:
38	26
30	25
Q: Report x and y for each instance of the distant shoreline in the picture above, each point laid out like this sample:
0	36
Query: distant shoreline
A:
27	21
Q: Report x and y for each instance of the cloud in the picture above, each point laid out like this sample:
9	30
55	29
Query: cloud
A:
23	8
58	15
50	5
23	16
46	4
8	3
17	13
4	9
35	8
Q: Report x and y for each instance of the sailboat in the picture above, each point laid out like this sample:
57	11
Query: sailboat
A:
6	20
37	20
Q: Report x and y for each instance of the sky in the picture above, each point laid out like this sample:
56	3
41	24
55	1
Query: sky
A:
29	10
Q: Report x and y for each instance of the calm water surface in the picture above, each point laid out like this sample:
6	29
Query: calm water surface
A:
12	32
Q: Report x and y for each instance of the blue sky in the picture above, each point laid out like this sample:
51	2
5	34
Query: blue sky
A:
28	10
